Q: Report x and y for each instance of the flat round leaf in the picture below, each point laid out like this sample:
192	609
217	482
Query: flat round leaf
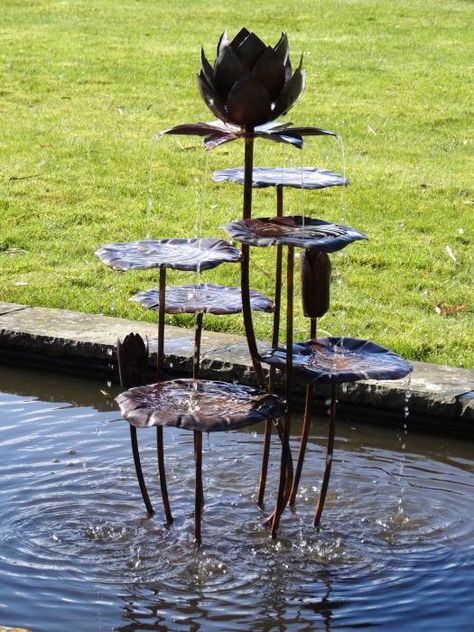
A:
303	178
201	405
204	297
341	360
192	255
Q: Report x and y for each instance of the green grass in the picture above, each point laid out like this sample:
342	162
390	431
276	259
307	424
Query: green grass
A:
86	83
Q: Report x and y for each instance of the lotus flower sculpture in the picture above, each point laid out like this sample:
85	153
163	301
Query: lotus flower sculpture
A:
251	83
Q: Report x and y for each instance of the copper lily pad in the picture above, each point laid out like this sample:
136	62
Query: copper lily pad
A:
203	297
341	360
304	178
180	254
296	230
201	405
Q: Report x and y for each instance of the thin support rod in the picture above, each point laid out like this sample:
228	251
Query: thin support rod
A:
198	435
308	409
160	361
139	471
198	491
329	456
282	498
245	263
275	339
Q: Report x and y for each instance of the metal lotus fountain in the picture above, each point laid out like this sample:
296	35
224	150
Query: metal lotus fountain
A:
249	86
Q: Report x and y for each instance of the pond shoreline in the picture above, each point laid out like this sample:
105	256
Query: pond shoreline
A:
439	399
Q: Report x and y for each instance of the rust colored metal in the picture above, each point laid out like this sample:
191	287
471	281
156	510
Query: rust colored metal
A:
308	409
315	282
245	268
199	496
275	340
284	484
160	360
329	457
139	471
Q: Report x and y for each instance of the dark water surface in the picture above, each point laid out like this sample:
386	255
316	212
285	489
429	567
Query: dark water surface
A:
77	551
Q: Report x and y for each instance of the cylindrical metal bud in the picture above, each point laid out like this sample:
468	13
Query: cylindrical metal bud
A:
315	279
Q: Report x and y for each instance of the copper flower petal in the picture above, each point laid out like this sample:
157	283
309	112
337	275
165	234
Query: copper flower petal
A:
290	94
222	43
202	405
249	103
341	360
211	98
295	140
281	48
192	255
239	38
288	70
228	69
250	50
309	131
303	178
193	129
302	232
203	297
207	70
270	72
215	140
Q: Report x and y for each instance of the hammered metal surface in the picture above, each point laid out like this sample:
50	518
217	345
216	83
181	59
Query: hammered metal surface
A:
180	254
302	232
341	359
202	405
304	178
202	297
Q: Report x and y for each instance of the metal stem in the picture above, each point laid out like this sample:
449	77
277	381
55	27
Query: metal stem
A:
275	339
245	264
198	490
139	471
305	430
286	452
160	361
197	345
329	453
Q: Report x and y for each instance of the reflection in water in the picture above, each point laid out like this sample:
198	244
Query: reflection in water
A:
76	544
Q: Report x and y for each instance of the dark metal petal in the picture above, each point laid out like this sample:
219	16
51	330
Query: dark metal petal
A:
281	48
288	70
228	69
308	131
290	94
249	103
250	50
191	129
215	140
207	70
315	281
211	98
239	38
295	140
222	43
341	360
270	72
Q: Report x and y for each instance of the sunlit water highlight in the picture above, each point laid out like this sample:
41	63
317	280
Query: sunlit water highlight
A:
76	546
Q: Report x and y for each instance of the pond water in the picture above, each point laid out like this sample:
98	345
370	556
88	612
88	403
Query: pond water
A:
396	549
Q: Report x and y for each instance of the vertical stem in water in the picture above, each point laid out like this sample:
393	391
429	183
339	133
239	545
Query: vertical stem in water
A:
245	264
305	430
329	457
275	339
285	451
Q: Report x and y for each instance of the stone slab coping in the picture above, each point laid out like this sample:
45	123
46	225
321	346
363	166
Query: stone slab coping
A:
442	396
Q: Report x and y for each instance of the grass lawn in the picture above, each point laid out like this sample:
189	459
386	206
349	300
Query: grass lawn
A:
86	83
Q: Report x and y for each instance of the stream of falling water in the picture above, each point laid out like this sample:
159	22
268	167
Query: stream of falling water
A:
150	191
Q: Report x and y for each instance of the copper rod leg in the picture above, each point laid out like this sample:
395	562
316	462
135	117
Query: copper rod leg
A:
245	263
197	345
162	473
199	491
160	354
282	497
303	443
329	454
275	338
139	471
308	409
